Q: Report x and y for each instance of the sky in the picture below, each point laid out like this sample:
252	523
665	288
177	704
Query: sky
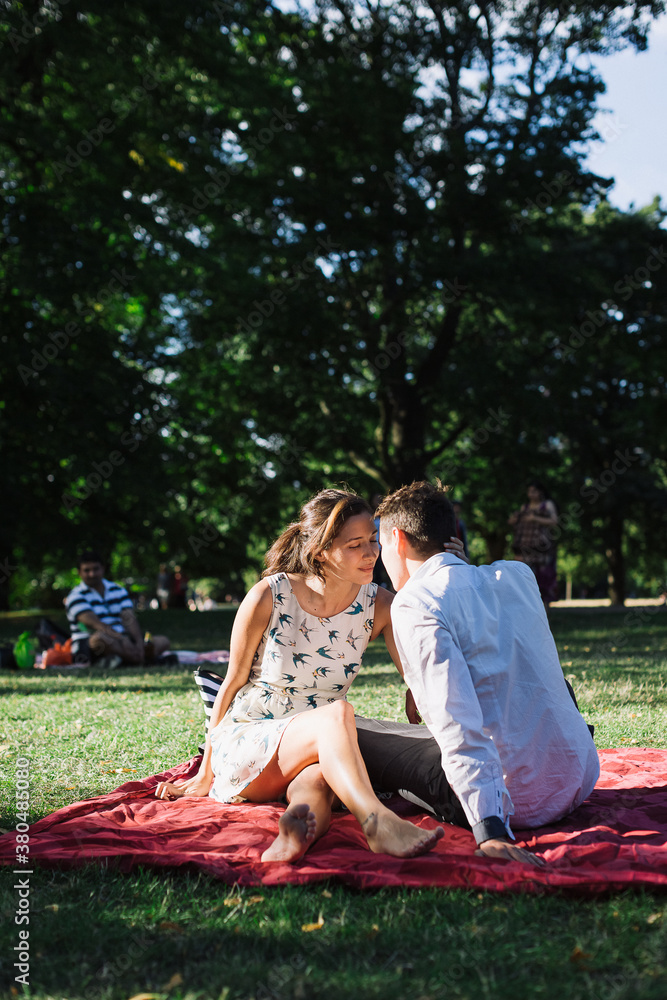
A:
635	126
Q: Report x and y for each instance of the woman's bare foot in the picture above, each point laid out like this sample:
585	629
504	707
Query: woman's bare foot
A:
387	833
297	829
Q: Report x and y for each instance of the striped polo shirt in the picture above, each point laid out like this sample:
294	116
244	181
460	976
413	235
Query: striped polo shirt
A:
107	607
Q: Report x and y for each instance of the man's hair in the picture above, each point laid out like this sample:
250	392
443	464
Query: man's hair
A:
423	512
89	556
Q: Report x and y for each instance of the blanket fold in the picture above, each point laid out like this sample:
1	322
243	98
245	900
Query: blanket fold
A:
616	839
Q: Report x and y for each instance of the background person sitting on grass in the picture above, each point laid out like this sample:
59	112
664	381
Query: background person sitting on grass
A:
102	619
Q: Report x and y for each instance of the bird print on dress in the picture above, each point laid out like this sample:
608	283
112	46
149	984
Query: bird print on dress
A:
300	664
352	639
303	628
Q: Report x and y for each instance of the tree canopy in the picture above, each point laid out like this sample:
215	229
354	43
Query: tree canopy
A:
250	250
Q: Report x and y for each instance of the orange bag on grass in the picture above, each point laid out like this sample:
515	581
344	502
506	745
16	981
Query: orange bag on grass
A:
58	655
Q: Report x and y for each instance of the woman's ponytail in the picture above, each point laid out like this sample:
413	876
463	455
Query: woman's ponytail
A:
284	556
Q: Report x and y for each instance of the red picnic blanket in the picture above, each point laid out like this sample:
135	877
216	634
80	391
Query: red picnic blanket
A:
616	839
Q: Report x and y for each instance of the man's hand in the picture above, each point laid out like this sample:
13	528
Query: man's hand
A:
411	708
505	850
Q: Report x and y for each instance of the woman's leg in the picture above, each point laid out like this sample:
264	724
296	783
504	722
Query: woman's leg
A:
306	818
328	735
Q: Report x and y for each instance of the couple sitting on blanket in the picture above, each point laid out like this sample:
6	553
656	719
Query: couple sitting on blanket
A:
504	739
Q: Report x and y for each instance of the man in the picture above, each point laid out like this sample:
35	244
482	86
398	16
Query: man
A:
482	666
102	620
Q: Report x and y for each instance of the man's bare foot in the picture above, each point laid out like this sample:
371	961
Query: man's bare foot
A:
297	829
387	833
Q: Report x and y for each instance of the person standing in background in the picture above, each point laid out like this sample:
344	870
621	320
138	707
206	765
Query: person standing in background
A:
533	542
179	589
162	586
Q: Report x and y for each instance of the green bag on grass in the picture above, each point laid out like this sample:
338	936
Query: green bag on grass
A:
25	649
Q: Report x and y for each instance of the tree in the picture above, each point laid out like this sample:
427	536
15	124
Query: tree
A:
354	236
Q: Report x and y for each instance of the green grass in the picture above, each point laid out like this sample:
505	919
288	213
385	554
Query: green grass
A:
96	933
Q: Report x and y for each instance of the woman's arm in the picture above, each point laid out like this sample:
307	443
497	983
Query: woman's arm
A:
252	618
546	518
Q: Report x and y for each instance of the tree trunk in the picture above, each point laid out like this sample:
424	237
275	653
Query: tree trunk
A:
615	560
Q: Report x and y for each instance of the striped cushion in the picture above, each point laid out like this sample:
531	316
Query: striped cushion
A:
208	684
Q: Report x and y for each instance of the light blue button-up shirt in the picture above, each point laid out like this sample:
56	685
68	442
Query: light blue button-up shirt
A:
480	659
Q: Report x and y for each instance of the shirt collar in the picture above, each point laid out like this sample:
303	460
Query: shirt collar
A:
433	563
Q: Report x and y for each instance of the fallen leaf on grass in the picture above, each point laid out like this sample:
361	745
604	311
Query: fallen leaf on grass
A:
232	902
255	899
325	892
313	927
148	996
176	980
653	917
169	925
52	906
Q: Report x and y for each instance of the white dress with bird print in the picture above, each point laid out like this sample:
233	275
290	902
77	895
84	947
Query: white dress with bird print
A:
302	662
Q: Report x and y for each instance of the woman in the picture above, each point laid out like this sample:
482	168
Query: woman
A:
281	725
533	541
